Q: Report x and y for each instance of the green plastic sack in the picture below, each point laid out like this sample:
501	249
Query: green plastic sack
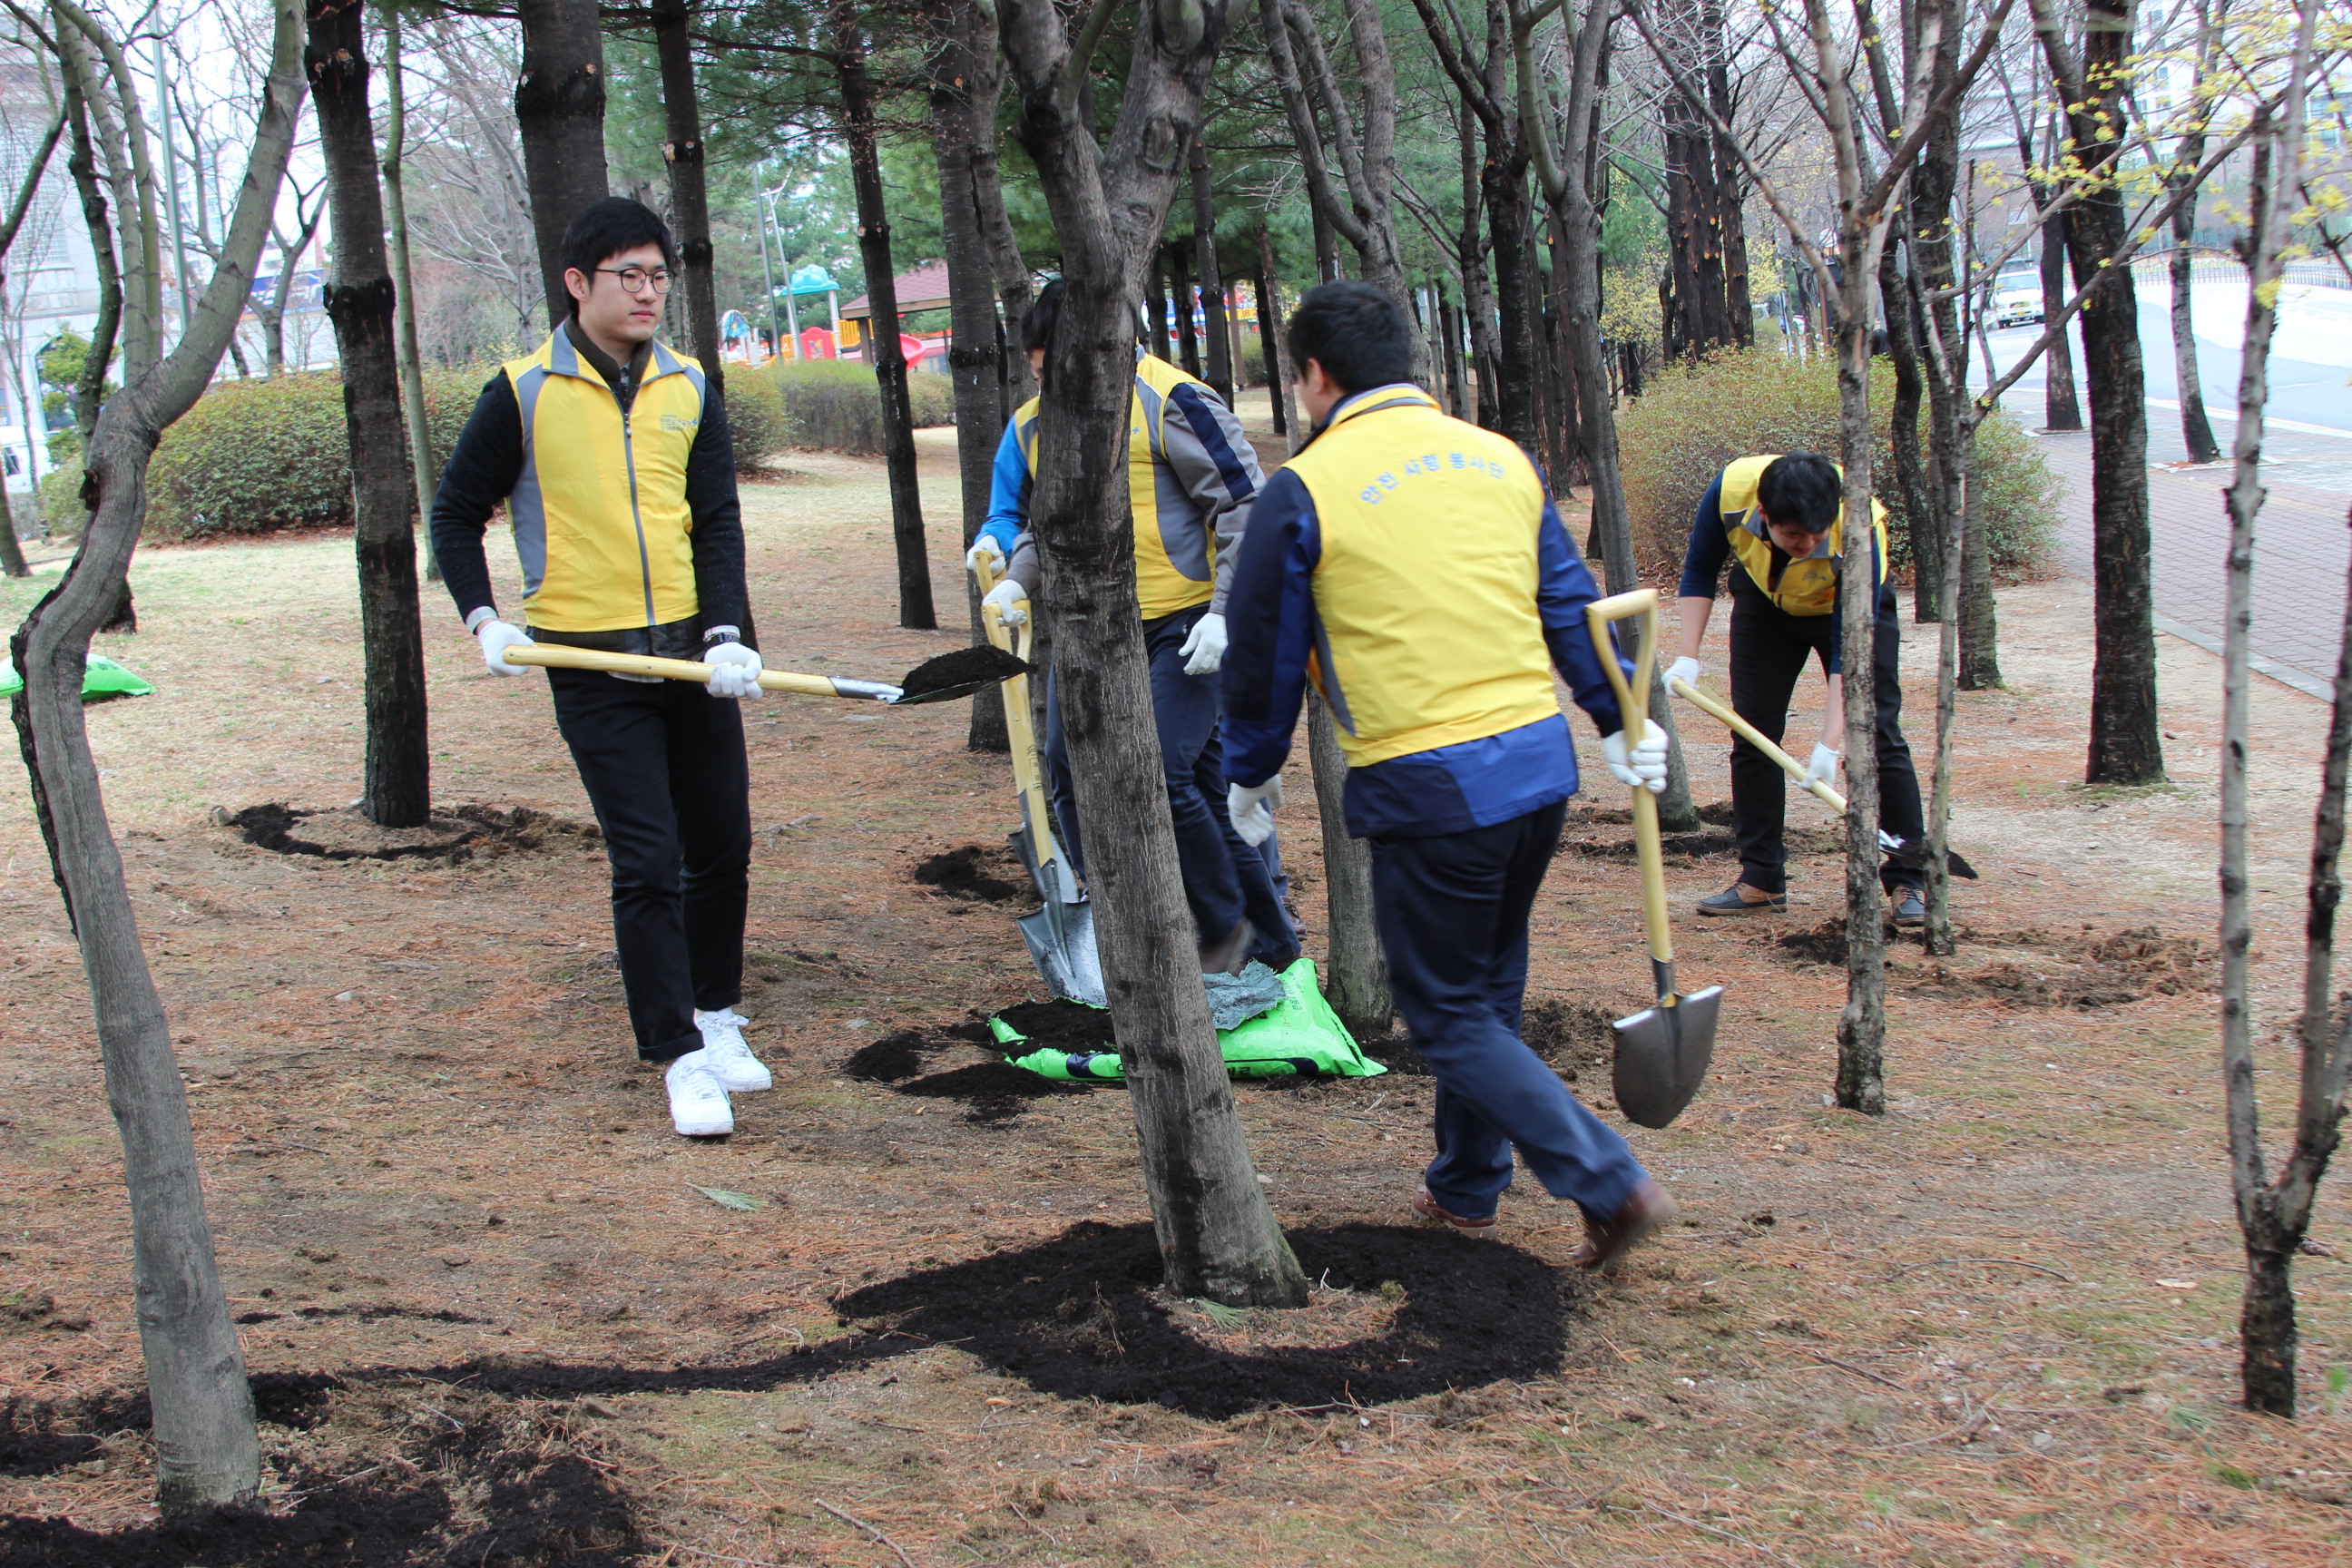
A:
102	680
1300	1036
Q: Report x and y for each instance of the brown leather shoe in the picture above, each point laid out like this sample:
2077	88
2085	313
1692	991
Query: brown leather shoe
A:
1426	1207
1605	1242
1229	952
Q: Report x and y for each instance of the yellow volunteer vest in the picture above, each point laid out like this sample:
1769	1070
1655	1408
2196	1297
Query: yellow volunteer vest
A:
1427	586
600	515
1175	550
1807	587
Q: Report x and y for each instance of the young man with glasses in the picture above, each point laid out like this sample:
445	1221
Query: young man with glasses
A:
611	455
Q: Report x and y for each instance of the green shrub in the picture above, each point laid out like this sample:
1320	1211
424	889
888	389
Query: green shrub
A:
833	404
1693	419
254	456
755	418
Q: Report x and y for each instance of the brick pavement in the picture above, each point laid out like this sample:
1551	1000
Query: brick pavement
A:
2301	548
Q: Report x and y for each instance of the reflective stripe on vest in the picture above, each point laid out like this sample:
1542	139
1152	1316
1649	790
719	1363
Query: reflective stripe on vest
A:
1175	550
1426	590
1807	587
600	515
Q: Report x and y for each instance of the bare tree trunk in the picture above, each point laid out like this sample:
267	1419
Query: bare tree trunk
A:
425	465
206	1449
1013	288
1220	376
397	786
1269	337
2196	428
1458	402
888	358
2061	408
976	343
2126	744
1356	980
559	106
1950	547
689	197
1920	519
1218	1237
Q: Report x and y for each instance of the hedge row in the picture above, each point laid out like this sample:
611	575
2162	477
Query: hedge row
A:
832	403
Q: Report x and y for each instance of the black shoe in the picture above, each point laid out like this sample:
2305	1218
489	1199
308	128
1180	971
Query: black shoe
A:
1910	907
1733	900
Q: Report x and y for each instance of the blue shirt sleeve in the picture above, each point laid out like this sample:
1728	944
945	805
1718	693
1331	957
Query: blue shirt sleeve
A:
1271	629
1563	591
1709	547
1008	492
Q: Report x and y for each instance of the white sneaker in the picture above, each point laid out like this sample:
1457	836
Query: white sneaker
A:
698	1100
730	1060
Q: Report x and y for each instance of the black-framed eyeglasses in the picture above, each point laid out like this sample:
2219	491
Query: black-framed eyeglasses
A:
634	279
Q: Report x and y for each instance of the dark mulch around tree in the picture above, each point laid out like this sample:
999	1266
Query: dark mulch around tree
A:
454	837
1061	1026
990	1092
906	1052
1076	1318
980	664
964	874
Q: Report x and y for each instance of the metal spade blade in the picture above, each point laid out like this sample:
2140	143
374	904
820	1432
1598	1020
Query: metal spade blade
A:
1662	1053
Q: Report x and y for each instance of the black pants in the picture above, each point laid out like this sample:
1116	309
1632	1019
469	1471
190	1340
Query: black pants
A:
665	769
1770	648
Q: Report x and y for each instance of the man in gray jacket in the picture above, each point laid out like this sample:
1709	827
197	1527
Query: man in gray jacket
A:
1191	476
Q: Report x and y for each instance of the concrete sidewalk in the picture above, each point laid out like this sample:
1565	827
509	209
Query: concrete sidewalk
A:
2303	548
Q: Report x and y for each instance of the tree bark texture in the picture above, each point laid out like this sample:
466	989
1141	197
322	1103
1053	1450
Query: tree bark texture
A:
1458	402
206	1449
689	191
2061	408
424	464
1220	371
1269	338
889	360
976	343
1920	519
2125	743
1356	978
1218	1237
1731	184
559	104
396	787
120	119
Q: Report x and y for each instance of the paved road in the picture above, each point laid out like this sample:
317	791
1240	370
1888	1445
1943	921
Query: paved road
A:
2303	546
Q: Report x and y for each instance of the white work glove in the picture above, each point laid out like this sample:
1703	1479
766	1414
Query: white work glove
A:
1251	809
496	638
734	671
1011	599
1823	768
1682	669
1205	649
984	548
1646	768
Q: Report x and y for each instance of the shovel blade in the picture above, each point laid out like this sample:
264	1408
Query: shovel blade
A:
1061	939
1663	1054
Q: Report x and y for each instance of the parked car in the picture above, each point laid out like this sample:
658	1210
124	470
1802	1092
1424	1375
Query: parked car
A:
2017	297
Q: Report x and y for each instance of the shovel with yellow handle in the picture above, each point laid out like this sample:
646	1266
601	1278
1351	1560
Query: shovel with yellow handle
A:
1663	1052
941	680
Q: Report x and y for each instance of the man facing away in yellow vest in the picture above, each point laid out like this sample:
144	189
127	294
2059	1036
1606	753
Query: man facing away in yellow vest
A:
1412	567
611	455
1781	519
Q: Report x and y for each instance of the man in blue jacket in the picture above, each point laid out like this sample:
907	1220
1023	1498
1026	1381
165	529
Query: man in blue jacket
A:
1412	567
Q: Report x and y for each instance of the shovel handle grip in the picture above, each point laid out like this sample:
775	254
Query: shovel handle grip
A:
1641	604
556	656
1755	737
1021	731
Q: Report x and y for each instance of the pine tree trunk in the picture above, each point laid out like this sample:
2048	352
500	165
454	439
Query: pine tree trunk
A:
397	789
2061	408
976	349
1458	401
425	465
207	1452
559	110
883	350
1504	186
689	196
1269	337
1220	372
1162	296
1356	981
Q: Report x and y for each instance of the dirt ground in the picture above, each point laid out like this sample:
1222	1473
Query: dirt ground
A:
497	1312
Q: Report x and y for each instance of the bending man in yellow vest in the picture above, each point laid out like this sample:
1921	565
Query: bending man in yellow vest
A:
1191	477
1412	566
1780	517
611	455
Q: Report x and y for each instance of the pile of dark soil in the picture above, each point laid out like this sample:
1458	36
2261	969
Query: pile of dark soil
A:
965	873
990	1092
981	664
1572	1037
1076	1318
1061	1026
906	1052
454	837
1690	845
1823	943
2084	970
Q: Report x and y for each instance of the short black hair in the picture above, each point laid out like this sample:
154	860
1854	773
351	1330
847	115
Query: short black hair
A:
1037	321
606	228
1801	488
1357	334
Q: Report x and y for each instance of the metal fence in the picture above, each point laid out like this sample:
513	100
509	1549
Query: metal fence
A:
2221	266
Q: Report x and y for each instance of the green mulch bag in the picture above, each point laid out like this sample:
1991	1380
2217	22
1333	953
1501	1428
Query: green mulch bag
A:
102	682
1300	1036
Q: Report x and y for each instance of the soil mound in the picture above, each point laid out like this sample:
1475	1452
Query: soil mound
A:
891	1058
1061	1026
453	837
990	1092
2082	970
1077	1317
1693	846
968	873
964	666
1571	1037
